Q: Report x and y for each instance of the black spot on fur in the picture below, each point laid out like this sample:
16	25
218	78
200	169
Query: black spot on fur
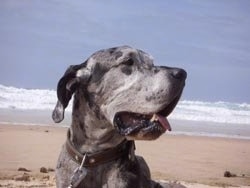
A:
81	125
112	50
118	54
129	62
126	70
150	98
156	70
90	99
76	103
98	72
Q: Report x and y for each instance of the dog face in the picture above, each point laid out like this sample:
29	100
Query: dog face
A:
132	94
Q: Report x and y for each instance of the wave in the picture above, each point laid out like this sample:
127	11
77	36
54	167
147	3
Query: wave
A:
220	112
27	99
42	99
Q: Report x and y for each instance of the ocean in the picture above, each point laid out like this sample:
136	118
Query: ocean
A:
218	119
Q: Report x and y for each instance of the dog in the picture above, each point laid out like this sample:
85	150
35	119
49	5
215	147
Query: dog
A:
119	96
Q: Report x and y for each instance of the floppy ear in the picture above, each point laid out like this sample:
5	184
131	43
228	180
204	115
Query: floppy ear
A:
66	87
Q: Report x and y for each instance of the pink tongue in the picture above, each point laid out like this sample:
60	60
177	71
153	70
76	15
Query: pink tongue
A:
164	122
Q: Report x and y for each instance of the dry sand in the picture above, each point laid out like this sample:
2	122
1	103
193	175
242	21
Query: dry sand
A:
190	159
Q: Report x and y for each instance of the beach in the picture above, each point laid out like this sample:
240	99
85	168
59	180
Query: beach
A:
195	161
183	65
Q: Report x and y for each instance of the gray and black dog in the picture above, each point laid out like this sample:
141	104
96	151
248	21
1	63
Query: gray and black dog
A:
119	97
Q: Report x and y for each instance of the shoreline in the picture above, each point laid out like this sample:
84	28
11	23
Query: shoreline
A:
179	127
172	133
188	159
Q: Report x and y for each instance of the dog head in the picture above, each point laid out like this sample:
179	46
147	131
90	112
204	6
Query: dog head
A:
132	94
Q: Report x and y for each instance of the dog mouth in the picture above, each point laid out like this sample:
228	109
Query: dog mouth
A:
136	126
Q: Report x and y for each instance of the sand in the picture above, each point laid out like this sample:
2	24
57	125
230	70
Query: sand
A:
191	160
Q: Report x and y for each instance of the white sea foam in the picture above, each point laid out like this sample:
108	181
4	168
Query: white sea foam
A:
220	112
26	99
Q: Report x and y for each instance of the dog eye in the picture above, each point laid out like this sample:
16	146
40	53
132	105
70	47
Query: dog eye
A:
128	62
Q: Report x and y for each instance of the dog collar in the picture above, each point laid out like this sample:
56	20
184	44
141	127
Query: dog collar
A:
126	148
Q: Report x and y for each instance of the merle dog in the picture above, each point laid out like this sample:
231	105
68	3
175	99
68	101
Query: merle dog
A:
119	96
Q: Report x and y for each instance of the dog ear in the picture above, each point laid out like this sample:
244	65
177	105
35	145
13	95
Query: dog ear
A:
66	87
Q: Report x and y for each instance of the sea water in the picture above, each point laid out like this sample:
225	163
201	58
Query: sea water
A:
224	119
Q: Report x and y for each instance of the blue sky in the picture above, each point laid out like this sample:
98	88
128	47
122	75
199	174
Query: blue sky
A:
208	38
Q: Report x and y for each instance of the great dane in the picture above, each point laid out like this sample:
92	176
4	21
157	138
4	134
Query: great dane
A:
119	96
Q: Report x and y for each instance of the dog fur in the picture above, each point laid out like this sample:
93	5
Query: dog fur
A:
113	80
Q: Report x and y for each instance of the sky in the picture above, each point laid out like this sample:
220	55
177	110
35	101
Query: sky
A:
210	39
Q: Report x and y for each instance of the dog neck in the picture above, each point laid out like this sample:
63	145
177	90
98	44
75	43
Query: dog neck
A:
124	149
90	131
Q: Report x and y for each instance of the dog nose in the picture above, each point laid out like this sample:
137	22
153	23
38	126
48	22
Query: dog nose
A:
179	73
